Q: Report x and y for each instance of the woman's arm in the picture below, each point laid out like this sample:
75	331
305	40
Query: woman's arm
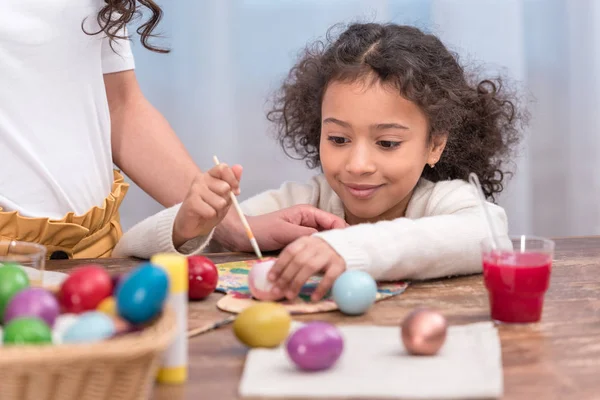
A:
144	145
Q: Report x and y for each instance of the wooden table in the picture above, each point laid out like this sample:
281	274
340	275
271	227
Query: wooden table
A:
558	358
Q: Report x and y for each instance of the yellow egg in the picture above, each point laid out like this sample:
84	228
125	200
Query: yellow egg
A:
108	306
265	324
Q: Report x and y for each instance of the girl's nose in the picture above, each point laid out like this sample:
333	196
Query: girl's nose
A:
360	161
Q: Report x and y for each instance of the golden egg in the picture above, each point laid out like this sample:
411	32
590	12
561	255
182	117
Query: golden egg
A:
266	324
424	332
108	306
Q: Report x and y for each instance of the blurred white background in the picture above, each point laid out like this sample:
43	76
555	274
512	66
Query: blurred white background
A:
228	56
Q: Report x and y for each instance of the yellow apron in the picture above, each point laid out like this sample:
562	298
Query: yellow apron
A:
91	235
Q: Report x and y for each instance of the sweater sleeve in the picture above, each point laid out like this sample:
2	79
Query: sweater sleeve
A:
289	194
444	242
155	235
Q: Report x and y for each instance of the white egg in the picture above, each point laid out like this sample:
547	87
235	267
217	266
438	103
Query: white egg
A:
62	325
258	281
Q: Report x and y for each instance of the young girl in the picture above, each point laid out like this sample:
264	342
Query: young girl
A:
396	125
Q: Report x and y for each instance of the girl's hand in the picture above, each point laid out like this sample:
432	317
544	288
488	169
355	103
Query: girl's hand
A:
206	203
302	259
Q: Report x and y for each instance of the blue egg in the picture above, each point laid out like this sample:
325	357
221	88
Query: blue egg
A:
92	326
142	293
354	292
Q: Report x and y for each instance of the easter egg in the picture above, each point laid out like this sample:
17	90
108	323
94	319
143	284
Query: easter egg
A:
316	346
116	280
33	302
354	292
108	306
262	325
142	293
27	330
203	277
91	326
62	324
123	327
84	289
13	279
258	282
423	332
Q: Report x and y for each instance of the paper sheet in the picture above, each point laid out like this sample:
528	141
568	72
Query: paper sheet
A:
374	364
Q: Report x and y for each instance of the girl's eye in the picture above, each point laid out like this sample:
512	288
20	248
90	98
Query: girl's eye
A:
337	139
388	144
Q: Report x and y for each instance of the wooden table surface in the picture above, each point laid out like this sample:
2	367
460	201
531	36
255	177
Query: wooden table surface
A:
558	358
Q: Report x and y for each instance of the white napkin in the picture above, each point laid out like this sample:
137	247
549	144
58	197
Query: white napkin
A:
51	278
374	363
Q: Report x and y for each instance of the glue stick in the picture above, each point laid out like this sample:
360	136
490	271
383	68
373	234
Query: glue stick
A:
174	366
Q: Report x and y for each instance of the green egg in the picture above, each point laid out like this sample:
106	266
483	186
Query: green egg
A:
27	330
12	280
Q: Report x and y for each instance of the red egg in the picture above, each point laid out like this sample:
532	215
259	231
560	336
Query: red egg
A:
85	288
203	277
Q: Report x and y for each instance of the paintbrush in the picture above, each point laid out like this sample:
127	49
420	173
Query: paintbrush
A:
249	233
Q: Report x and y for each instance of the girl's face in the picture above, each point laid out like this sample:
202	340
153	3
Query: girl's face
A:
374	146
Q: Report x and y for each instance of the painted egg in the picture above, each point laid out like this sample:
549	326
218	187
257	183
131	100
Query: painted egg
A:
62	324
92	326
13	279
142	293
108	306
258	282
27	330
354	292
84	289
316	346
262	325
116	280
122	326
33	302
424	332
203	277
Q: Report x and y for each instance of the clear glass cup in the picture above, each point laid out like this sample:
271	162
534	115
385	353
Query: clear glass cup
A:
517	277
31	256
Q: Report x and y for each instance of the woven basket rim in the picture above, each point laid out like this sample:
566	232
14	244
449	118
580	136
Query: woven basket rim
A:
155	337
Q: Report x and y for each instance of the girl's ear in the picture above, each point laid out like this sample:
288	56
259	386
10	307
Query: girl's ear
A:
438	144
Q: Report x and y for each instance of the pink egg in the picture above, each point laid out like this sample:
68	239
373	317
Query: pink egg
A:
258	281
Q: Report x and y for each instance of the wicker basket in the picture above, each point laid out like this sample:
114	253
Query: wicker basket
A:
122	368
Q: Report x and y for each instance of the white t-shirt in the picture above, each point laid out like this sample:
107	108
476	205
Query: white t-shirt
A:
55	147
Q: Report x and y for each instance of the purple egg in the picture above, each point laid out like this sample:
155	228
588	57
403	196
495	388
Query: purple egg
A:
33	302
316	346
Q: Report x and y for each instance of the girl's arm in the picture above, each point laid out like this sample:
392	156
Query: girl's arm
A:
288	195
446	241
278	217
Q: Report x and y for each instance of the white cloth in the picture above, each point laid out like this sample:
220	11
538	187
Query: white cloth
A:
374	364
55	147
440	235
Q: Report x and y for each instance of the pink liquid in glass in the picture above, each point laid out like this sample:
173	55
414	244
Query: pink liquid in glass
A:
517	283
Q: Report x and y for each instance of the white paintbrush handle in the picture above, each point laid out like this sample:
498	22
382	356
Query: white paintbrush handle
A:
249	233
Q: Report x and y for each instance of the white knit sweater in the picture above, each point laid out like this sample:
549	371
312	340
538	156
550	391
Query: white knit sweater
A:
440	235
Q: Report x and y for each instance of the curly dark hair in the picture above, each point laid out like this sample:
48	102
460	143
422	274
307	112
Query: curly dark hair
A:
481	118
116	14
